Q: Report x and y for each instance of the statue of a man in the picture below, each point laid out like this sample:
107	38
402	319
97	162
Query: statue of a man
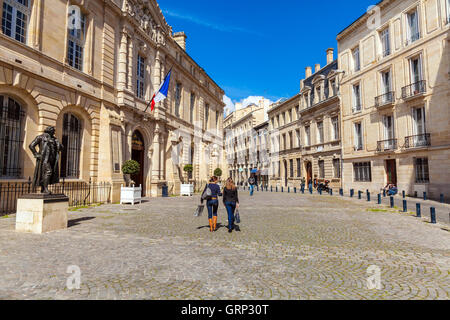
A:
47	168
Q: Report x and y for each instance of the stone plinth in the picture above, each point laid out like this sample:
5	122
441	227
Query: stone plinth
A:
40	213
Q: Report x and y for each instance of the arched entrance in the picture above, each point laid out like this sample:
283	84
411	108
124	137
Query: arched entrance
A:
137	154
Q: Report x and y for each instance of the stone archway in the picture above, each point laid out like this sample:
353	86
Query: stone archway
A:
138	155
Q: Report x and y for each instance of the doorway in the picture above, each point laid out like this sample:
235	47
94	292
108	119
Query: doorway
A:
308	172
137	154
391	171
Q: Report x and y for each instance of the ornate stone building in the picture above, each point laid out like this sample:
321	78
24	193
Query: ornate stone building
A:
320	123
395	98
93	83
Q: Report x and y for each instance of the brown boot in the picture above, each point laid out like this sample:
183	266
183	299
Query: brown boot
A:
210	225
214	223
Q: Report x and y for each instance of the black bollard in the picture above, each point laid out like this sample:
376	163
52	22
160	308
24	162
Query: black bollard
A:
418	211
331	192
359	195
392	202
341	192
404	194
442	198
271	189
424	196
433	215
295	189
379	198
276	189
368	196
405	206
282	189
352	193
289	189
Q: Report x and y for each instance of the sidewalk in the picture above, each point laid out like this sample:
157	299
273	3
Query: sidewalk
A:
442	209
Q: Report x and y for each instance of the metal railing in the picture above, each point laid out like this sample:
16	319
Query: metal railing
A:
417	141
79	193
387	145
414	89
384	99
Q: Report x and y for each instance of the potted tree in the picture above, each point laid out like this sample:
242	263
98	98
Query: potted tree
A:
130	193
187	189
218	173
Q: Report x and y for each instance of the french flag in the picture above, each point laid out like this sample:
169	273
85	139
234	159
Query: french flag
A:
161	94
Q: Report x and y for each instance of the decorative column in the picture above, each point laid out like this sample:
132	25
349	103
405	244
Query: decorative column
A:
130	64
35	34
156	186
122	77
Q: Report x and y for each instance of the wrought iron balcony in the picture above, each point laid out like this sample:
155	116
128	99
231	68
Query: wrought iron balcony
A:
418	141
414	89
385	99
387	145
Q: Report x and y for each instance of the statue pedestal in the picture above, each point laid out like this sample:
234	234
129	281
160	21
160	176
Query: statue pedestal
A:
41	213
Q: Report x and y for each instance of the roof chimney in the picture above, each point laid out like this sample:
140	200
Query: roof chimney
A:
317	68
308	72
180	38
330	55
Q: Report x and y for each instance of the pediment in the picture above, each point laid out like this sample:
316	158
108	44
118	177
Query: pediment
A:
149	16
318	78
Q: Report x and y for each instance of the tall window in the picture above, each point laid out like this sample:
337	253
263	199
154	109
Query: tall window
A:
71	140
386	82
291	140
284	142
206	116
419	121
358	136
422	173
75	43
177	99
11	115
337	168
297	133
413	33
335	127
356	97
389	132
333	87
192	108
291	168
362	172
140	76
15	19
385	42
320	132
307	136
299	168
356	59
321	169
415	65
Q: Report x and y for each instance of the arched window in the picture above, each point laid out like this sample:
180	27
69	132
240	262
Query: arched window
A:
15	19
11	115
71	140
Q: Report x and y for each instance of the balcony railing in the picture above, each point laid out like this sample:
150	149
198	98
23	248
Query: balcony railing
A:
384	99
418	141
387	145
414	89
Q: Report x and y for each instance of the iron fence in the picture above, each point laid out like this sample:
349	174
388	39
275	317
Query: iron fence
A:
80	193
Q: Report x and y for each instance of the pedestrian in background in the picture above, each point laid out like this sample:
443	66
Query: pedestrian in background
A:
231	202
252	183
212	202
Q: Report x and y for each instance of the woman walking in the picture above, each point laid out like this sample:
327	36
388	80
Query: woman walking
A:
231	202
213	203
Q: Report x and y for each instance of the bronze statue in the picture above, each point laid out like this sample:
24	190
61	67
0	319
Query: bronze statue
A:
47	168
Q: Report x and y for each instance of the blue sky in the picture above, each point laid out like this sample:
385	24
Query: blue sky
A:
258	47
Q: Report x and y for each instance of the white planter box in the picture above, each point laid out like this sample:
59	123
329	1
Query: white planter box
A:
130	195
187	190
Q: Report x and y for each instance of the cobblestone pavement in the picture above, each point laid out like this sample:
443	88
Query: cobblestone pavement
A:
290	246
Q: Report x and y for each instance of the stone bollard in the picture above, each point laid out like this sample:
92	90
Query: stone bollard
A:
405	206
379	198
418	210
392	201
433	215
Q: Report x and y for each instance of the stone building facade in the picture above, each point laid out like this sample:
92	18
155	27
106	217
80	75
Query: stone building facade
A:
285	151
320	123
395	98
93	83
241	143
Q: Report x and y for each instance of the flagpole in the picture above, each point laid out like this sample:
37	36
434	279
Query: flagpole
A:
148	105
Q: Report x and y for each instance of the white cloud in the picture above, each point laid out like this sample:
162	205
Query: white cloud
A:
231	106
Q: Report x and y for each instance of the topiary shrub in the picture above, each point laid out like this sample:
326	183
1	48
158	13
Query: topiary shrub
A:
218	172
130	167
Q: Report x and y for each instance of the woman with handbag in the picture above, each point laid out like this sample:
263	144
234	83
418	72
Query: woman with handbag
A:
211	194
231	202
